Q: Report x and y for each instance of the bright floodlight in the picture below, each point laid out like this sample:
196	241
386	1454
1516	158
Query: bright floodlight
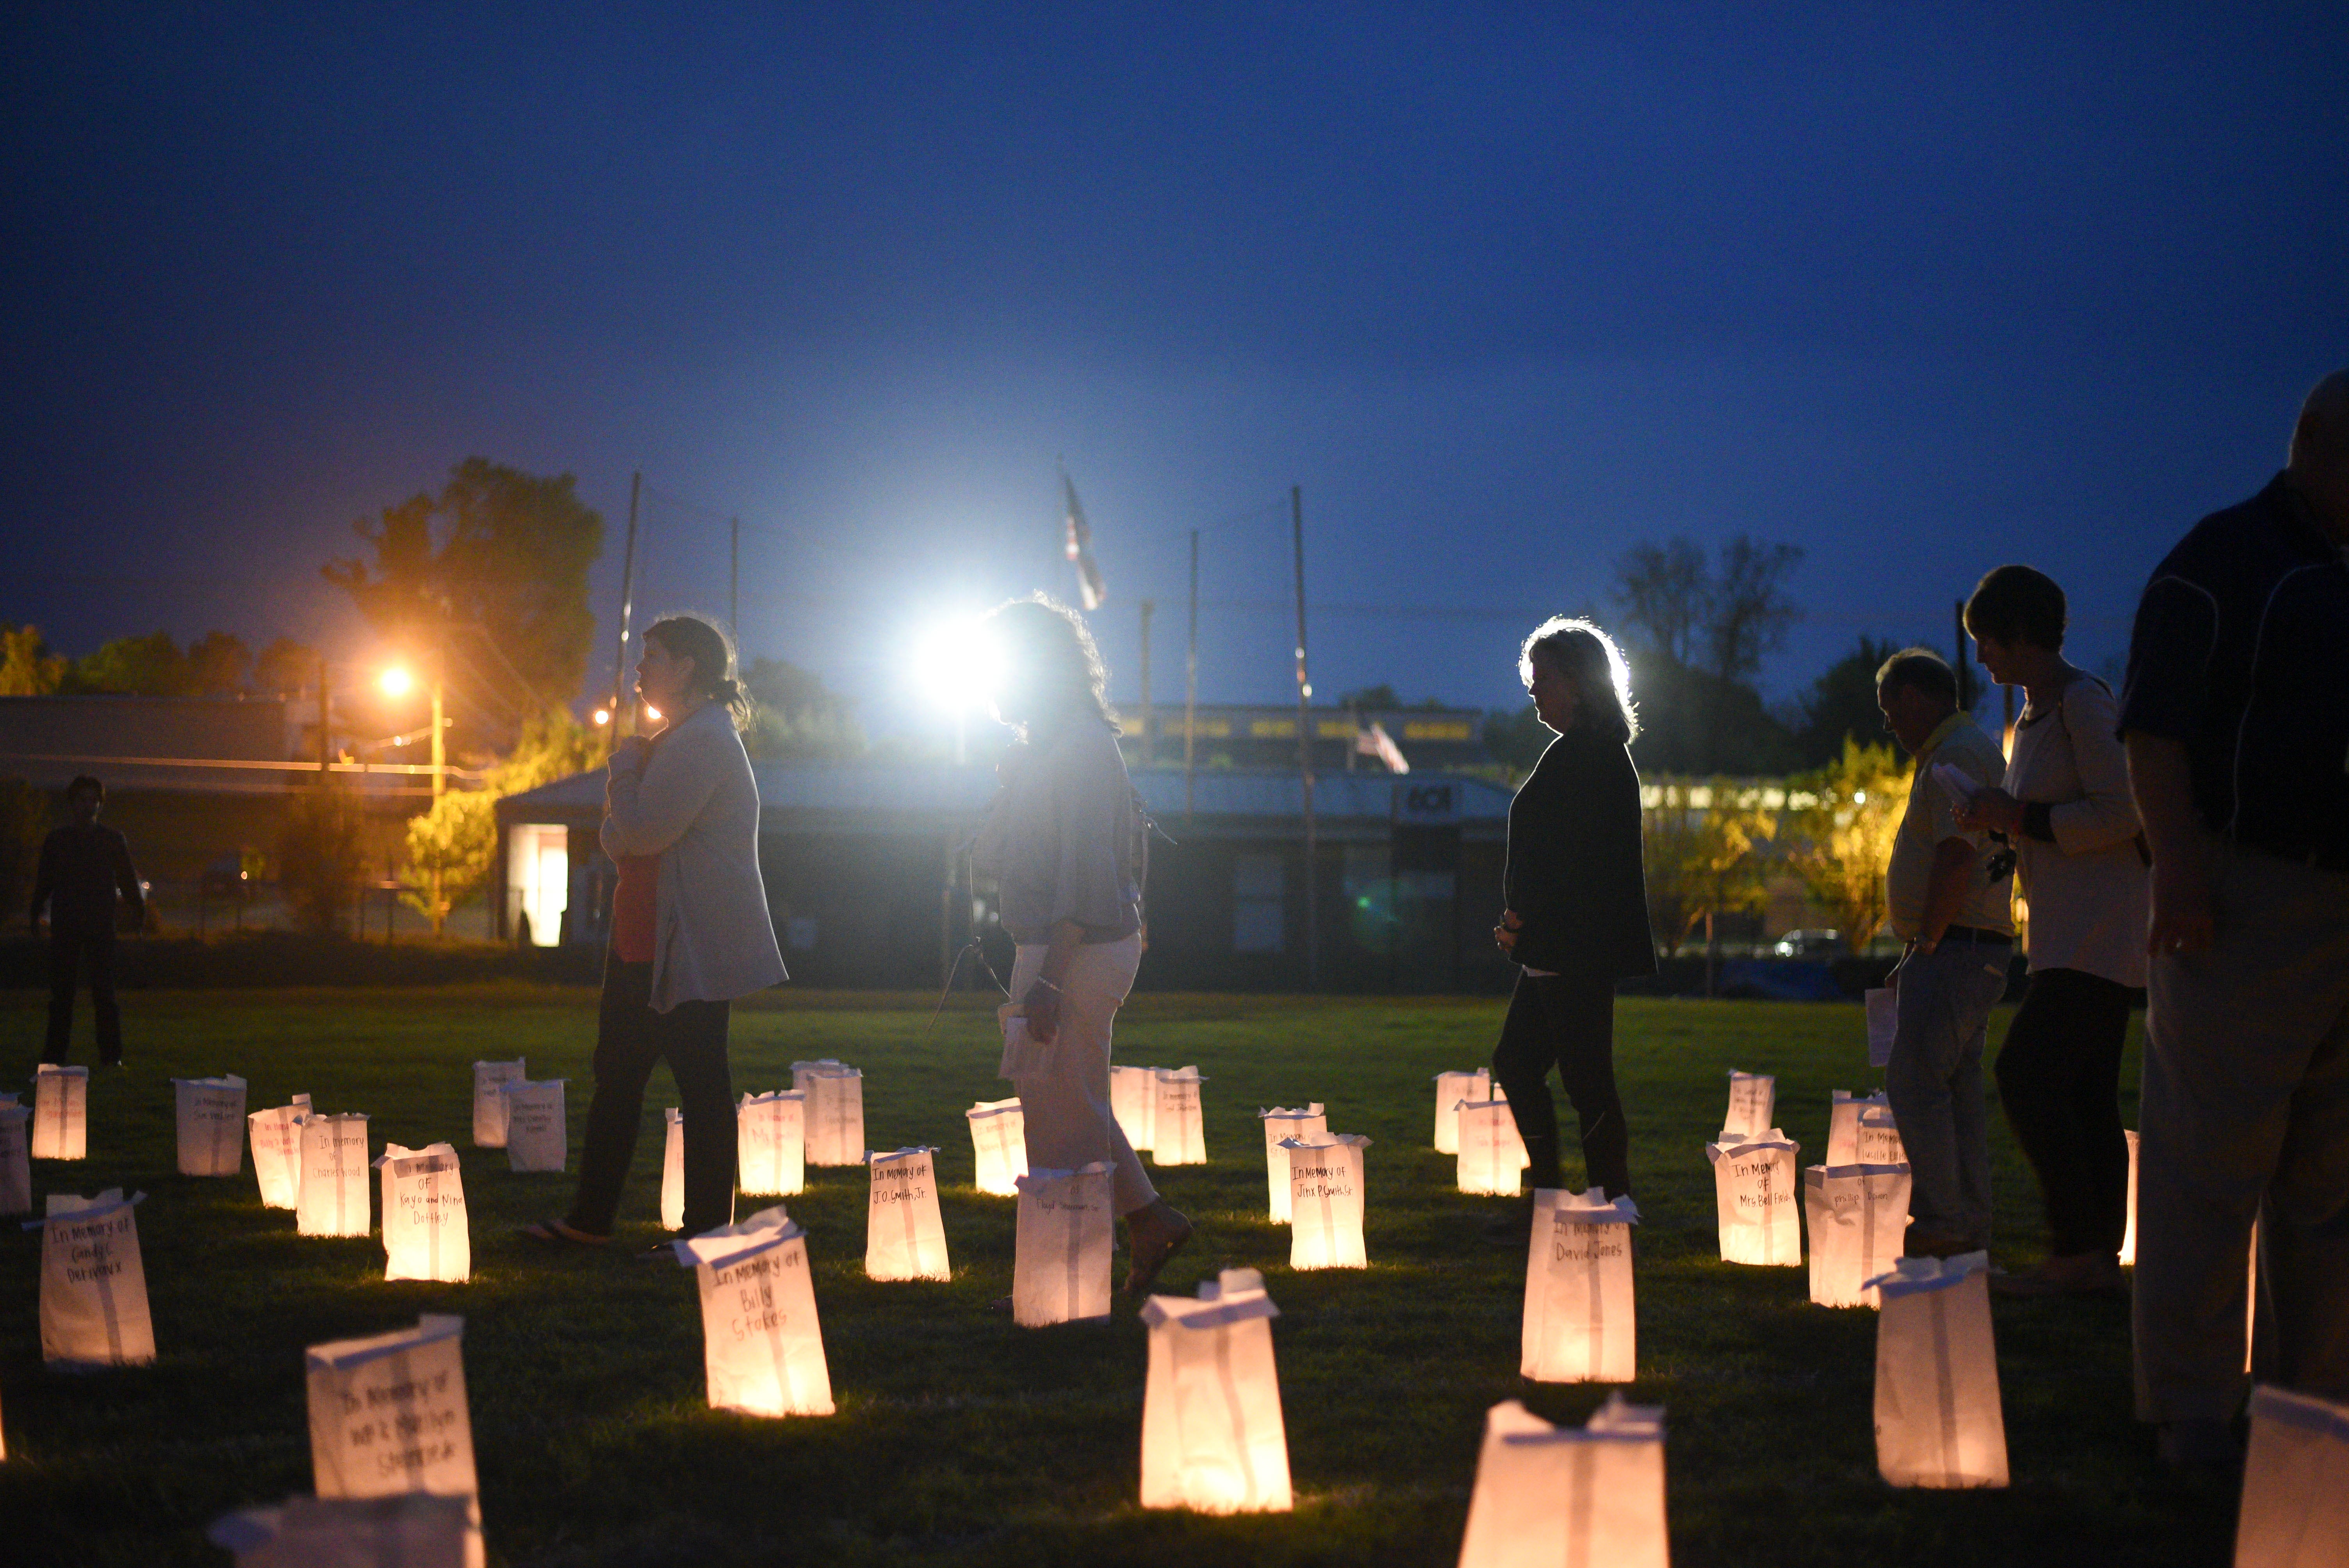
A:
602	716
397	682
955	664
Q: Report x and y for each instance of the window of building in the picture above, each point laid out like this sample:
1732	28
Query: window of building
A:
1259	904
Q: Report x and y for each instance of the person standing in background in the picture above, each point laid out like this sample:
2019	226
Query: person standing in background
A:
83	866
1949	894
2065	809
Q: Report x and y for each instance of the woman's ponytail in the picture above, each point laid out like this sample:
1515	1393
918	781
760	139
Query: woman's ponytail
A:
689	636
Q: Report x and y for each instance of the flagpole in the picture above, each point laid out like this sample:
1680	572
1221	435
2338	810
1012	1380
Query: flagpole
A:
1191	686
628	601
1305	744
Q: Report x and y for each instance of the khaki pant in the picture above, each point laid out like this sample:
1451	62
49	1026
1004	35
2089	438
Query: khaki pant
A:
1066	1109
2245	1115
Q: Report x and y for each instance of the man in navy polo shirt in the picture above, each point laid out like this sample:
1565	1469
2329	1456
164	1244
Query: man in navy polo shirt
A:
2237	722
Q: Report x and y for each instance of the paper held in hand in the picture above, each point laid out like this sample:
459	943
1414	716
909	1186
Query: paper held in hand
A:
1961	786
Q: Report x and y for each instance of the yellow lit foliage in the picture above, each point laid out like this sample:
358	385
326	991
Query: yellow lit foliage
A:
1842	842
1707	850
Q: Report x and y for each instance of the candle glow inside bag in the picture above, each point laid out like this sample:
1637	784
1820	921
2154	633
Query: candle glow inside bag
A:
1450	1089
2295	1507
1060	1258
1213	1440
1844	1109
1491	1155
1580	1321
538	1125
1325	1184
771	1144
93	1282
426	1233
489	1079
276	1137
999	1144
905	1237
1178	1134
211	1125
1938	1417
1304	1122
1753	1102
1134	1101
763	1347
388	1414
835	1111
1858	1218
333	1199
1569	1496
1878	1138
1755	1185
2128	1235
61	1112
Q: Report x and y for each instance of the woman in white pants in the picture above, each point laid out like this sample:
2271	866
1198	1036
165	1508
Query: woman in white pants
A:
1065	842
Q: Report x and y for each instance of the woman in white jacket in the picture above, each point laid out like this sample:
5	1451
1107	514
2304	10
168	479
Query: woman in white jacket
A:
690	930
2067	813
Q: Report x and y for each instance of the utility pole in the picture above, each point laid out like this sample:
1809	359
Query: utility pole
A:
325	749
734	581
1305	745
628	601
1191	687
1149	715
440	772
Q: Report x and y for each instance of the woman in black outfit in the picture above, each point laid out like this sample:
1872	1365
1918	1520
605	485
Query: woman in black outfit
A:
1576	919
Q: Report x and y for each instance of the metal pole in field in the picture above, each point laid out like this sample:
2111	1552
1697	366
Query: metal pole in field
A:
1149	715
1305	742
1191	686
628	600
325	747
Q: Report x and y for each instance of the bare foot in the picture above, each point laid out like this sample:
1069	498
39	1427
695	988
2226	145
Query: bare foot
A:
1155	1235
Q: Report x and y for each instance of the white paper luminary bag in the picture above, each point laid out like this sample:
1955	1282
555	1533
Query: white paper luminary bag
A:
1844	1109
762	1345
999	1142
15	1159
389	1414
1450	1089
835	1111
1491	1155
1755	1185
489	1079
1580	1323
413	1529
538	1127
1753	1102
333	1199
275	1133
1878	1137
672	1198
2295	1512
1134	1101
905	1237
93	1282
2128	1235
61	1112
1325	1187
1937	1419
1178	1134
1569	1496
211	1125
426	1235
1859	1216
1212	1436
1060	1260
1304	1123
771	1144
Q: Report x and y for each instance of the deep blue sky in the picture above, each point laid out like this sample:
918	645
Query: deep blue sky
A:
1504	288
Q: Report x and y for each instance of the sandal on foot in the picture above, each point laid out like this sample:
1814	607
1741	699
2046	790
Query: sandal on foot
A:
555	1233
1151	1249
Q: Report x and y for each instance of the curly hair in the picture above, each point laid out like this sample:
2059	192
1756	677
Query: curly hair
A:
1048	639
1578	649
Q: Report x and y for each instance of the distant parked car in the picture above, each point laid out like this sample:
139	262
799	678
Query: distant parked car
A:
1809	944
225	876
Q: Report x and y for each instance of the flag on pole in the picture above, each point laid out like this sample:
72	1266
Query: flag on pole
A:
1376	742
1089	587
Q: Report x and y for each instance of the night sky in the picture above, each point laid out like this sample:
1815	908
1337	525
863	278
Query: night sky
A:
1503	289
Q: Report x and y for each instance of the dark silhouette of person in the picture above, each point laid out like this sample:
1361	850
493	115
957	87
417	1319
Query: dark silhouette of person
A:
83	868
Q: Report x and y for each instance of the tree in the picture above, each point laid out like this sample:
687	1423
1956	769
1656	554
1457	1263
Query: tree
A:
1746	610
454	845
1700	634
217	663
1661	590
285	667
1841	705
1842	839
321	856
498	553
151	665
1706	849
27	668
795	718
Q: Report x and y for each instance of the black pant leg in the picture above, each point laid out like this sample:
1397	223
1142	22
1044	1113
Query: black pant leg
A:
101	950
2059	1080
1521	1064
2103	1028
1582	1009
626	1049
693	1038
65	953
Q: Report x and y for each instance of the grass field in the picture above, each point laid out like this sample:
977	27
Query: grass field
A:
961	1438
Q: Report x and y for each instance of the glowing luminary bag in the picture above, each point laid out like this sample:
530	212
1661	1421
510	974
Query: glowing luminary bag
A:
538	1126
905	1236
489	1079
2295	1512
999	1144
334	1200
389	1414
2128	1235
1302	1122
1178	1134
15	1159
1134	1101
1858	1216
1844	1109
413	1529
1753	1101
1491	1155
1754	1185
1938	1418
211	1125
763	1347
1581	1319
771	1144
93	1282
835	1111
1450	1089
426	1233
276	1136
1325	1188
1878	1137
1212	1435
61	1112
1060	1260
672	1199
1569	1496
